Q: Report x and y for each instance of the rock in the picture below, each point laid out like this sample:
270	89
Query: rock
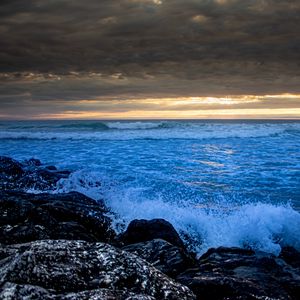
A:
51	168
12	291
41	179
144	230
27	217
167	258
30	175
291	256
33	162
61	269
10	167
233	273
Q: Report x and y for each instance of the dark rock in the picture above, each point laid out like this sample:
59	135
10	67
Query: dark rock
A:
63	173
144	230
33	162
164	256
230	252
51	168
31	175
41	179
60	269
26	217
12	291
233	273
10	167
291	256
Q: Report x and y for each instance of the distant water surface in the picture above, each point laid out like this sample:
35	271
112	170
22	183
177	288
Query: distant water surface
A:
229	183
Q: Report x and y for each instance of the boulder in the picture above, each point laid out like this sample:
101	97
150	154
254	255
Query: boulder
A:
61	269
27	217
40	179
12	291
30	175
51	168
164	256
10	167
33	162
147	230
233	273
291	256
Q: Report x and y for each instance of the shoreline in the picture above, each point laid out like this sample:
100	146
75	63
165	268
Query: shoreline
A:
74	231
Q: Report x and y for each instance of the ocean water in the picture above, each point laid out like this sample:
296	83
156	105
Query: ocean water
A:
220	183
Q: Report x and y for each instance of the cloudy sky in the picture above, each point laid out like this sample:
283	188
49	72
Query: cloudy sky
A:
149	59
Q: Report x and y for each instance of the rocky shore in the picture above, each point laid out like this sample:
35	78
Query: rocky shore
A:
62	246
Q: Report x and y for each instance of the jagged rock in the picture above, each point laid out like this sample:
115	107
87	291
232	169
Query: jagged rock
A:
51	168
81	270
40	179
12	291
30	175
291	256
10	167
33	162
144	230
26	217
233	273
164	256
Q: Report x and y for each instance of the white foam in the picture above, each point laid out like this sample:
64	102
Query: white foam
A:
260	226
154	130
133	125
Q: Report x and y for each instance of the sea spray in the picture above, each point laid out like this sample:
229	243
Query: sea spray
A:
220	183
258	226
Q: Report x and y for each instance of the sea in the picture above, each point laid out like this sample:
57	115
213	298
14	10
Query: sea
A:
219	182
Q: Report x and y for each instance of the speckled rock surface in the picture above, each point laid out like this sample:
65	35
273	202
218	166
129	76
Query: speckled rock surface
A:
80	270
164	256
31	174
27	217
10	168
234	273
12	291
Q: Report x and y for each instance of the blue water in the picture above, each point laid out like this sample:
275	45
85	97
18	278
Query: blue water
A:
220	183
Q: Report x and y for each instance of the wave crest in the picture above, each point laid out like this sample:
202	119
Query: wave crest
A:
259	226
153	130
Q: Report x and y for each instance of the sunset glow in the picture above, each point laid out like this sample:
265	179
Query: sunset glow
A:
247	106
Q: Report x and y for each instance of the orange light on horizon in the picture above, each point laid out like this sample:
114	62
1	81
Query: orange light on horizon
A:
225	107
189	114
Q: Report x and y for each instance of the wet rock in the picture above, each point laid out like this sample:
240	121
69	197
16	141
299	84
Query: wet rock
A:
40	179
10	167
291	256
51	168
233	273
144	230
60	269
33	162
26	217
164	256
30	175
12	291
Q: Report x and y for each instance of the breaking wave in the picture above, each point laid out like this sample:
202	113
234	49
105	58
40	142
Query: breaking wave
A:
220	183
114	130
258	226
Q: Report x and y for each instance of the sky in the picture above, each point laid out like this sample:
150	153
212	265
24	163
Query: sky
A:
135	59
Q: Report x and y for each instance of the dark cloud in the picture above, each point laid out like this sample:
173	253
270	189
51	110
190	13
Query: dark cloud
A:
74	49
109	36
